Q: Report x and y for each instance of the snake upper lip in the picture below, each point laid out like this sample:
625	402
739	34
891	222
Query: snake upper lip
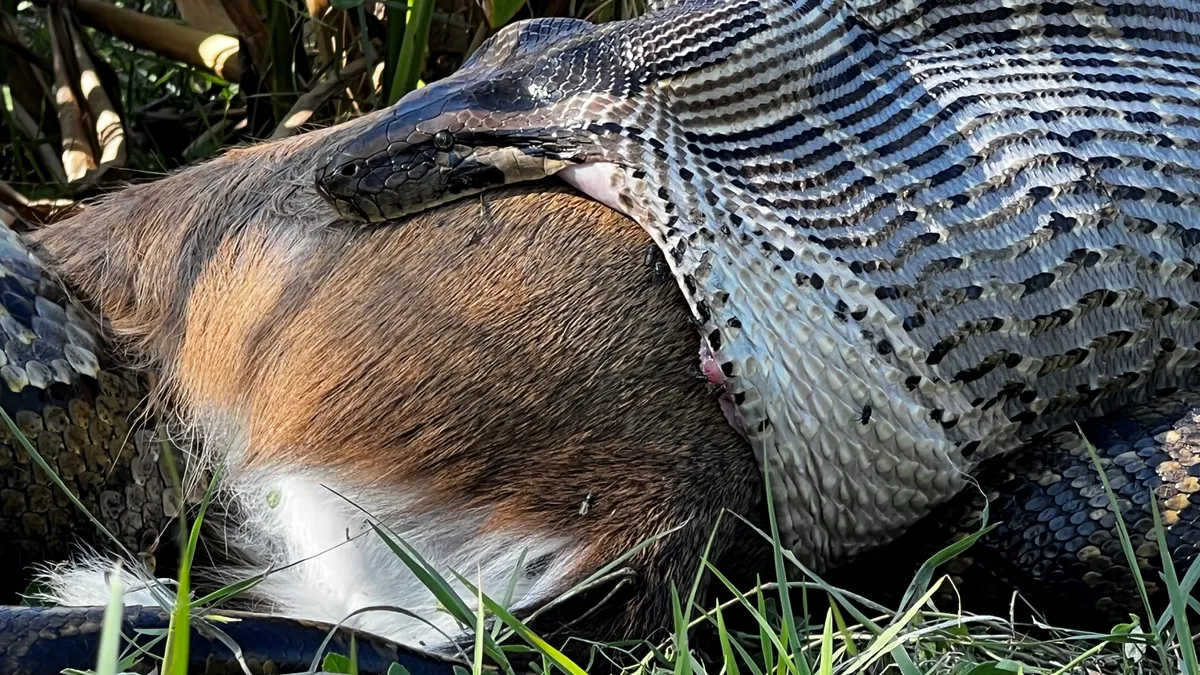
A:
346	208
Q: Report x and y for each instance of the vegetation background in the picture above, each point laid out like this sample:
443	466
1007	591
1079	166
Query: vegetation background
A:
99	93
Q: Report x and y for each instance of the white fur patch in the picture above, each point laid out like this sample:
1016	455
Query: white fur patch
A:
342	565
85	583
346	566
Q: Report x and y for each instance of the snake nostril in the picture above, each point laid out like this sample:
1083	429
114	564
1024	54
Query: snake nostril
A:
350	170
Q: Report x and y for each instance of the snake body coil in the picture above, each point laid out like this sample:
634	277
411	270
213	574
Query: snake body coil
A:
975	219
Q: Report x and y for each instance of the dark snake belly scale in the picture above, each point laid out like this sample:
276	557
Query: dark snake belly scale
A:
41	641
80	410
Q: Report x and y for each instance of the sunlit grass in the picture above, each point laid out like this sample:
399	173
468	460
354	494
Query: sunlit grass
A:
853	635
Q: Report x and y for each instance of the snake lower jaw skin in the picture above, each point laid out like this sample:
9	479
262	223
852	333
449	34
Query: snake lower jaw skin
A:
602	181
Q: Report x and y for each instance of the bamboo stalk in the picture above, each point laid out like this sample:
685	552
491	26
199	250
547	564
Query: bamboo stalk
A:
213	52
78	151
206	15
252	30
109	129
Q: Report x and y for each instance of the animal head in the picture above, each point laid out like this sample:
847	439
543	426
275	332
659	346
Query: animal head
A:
432	364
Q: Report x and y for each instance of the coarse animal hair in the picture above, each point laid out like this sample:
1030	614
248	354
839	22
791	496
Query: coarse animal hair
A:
499	379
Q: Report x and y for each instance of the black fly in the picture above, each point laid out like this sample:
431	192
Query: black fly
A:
865	416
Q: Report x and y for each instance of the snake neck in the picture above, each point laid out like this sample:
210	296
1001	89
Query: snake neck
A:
918	250
914	237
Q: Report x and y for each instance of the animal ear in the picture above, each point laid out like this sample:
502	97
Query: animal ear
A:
523	38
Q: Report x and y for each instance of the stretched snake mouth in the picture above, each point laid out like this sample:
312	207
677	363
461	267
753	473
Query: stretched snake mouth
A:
346	208
364	183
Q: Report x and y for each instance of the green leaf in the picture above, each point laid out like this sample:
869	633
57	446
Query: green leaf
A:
336	663
502	11
397	669
412	51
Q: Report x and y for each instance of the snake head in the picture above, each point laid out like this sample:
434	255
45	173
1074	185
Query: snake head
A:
441	143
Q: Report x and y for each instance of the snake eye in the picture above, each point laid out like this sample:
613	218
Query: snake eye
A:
443	140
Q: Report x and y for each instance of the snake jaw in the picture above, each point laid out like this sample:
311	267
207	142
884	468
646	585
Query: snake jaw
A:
328	186
373	180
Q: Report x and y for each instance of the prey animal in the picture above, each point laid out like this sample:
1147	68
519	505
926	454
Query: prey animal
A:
1002	194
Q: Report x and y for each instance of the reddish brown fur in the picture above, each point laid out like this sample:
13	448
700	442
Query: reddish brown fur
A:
514	350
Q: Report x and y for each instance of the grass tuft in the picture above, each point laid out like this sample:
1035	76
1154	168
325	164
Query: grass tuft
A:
856	636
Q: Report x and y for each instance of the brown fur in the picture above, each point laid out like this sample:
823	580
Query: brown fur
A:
515	351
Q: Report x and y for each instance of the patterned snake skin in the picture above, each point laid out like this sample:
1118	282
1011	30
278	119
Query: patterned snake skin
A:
916	233
79	410
40	641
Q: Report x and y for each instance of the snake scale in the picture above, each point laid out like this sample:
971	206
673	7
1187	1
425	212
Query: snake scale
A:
915	234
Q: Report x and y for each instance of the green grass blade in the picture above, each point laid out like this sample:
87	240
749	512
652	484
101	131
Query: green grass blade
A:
1185	587
441	589
353	655
884	641
825	665
557	658
412	51
175	659
824	585
767	636
770	640
510	589
843	629
704	557
1126	542
682	655
477	664
397	20
1183	631
747	659
924	574
430	579
731	666
785	600
108	658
